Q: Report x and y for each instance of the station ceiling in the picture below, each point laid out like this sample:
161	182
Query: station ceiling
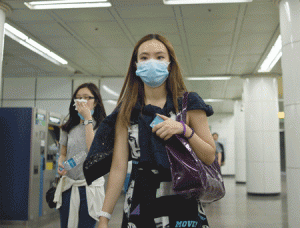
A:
209	40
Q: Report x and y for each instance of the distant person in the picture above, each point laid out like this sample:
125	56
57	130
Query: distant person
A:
77	202
219	150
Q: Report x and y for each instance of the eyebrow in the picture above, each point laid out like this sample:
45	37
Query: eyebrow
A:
147	53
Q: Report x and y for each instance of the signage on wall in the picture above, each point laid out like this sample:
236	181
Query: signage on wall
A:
40	119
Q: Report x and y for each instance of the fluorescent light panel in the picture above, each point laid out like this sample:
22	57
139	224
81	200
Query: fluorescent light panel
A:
273	57
14	31
207	78
181	2
38	52
64	2
67	4
32	45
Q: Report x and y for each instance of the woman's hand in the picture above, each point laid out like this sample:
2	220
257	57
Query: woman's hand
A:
83	109
63	171
168	128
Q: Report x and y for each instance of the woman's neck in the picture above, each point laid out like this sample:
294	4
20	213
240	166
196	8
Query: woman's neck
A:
156	96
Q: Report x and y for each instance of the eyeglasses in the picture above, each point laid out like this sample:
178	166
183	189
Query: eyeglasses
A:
85	97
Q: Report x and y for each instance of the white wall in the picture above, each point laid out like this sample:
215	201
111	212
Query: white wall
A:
110	89
53	93
224	126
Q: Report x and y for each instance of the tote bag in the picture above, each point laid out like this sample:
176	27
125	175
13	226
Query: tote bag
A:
189	174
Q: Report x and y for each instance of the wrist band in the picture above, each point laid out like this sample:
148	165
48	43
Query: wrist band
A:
191	134
184	128
104	214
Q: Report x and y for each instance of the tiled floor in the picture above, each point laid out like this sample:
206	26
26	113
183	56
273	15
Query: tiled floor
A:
236	209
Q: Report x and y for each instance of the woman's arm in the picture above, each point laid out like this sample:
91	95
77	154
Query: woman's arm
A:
220	158
61	159
89	131
202	142
118	171
89	135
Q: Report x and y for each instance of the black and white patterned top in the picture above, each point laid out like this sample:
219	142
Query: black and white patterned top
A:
131	208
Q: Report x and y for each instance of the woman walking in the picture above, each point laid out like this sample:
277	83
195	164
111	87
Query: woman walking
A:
154	87
77	202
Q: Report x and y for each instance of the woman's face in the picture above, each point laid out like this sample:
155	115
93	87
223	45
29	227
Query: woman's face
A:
85	93
153	49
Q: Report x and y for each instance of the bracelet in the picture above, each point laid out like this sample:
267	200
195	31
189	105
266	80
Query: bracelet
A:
104	214
184	127
191	134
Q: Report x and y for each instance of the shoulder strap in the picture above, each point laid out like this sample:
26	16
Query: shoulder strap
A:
184	106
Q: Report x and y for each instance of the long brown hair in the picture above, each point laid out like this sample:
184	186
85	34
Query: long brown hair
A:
99	111
133	88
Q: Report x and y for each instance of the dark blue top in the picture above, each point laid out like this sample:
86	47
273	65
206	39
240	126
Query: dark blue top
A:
103	142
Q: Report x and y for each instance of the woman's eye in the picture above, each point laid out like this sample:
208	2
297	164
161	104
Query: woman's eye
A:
160	57
143	58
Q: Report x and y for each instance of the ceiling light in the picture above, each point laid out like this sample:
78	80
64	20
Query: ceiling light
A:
37	51
64	2
181	2
207	78
14	31
110	91
38	46
272	57
67	4
32	45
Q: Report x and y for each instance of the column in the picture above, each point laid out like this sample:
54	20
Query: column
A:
240	143
4	8
290	32
262	136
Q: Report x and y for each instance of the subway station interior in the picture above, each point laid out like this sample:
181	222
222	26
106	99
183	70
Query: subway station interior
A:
240	56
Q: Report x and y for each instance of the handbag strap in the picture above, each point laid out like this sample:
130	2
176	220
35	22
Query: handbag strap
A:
184	106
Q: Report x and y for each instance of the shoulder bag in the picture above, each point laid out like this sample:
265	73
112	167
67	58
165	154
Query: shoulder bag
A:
51	192
189	174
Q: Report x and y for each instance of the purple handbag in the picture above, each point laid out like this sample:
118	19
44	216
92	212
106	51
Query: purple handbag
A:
189	174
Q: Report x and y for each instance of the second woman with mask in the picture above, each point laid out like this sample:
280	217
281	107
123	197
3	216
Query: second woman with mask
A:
77	202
